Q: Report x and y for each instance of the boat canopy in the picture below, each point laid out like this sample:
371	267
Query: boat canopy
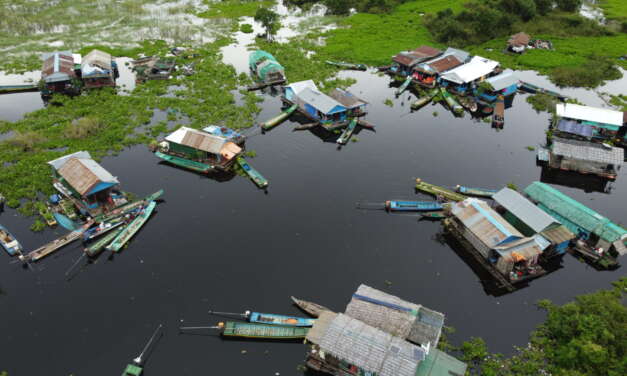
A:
524	210
264	64
575	127
587	113
503	80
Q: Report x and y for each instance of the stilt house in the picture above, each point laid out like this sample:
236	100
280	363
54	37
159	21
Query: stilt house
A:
201	147
504	83
600	124
427	73
404	62
464	78
315	104
354	105
98	70
58	74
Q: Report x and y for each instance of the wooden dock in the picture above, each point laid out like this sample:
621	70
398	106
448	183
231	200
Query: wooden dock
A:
55	245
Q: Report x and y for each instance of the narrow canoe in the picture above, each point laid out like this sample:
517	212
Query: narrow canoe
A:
7	89
531	88
256	177
480	192
127	233
404	86
253	330
185	163
433	215
102	229
9	243
424	100
346	65
413	206
272	319
128	207
310	308
469	103
438	191
348	132
98	246
451	101
498	116
269	124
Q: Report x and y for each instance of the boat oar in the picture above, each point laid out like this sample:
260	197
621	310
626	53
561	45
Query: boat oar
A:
245	314
138	360
370	205
199	327
75	263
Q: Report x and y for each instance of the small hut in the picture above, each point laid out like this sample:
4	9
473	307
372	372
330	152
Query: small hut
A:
426	73
58	74
314	104
591	123
266	67
504	83
98	70
403	62
583	157
518	42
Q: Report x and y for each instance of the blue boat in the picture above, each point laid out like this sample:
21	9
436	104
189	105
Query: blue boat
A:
9	243
225	132
480	192
271	319
413	206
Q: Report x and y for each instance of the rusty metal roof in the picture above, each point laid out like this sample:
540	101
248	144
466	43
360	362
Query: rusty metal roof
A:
85	174
404	58
197	140
346	98
426	52
57	66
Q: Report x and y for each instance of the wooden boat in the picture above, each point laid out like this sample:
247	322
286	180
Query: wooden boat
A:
95	248
256	177
438	191
433	215
533	89
347	133
10	89
9	243
269	124
423	100
342	64
254	330
312	309
480	192
451	101
271	319
468	103
185	163
55	245
498	117
103	228
404	86
127	233
135	367
413	206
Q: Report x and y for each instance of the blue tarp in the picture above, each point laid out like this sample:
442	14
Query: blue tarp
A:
574	127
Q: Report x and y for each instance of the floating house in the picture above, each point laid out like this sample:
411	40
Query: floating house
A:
582	157
314	104
355	105
266	67
596	230
153	68
518	42
58	74
404	62
197	150
426	73
98	69
504	83
464	78
92	188
591	123
371	338
531	220
496	242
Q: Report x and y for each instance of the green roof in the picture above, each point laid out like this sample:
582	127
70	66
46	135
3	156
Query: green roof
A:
439	363
258	55
565	208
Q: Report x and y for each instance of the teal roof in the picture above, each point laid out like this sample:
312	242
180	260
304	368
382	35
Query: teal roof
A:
567	209
259	55
439	363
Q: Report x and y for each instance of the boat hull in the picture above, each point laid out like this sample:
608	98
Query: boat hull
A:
254	175
413	206
9	243
130	230
251	330
185	163
312	309
480	192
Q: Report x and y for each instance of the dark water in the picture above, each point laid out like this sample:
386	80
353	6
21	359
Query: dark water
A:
228	246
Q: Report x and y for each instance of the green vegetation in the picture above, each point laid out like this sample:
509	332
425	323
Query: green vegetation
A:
512	185
587	336
542	102
246	28
37	226
233	9
619	101
269	20
530	148
388	102
614	9
343	7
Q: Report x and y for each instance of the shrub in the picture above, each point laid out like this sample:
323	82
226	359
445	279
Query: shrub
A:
246	28
83	128
26	140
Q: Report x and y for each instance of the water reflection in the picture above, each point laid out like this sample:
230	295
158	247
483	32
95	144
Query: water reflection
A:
586	183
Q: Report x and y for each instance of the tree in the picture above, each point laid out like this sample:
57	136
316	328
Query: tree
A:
544	6
269	20
569	5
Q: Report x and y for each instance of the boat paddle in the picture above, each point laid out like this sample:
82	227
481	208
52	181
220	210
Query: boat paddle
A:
245	314
139	359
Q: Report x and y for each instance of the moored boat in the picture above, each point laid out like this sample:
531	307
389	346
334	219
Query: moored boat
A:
269	124
255	176
135	367
9	89
128	207
480	192
451	101
127	233
404	86
94	249
9	242
433	215
412	206
254	330
469	103
271	319
312	309
438	191
346	65
347	133
423	100
185	163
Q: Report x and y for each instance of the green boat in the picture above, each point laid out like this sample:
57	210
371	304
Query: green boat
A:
256	177
278	119
424	100
127	233
252	330
451	101
438	191
348	132
404	86
185	163
343	64
432	215
128	207
98	246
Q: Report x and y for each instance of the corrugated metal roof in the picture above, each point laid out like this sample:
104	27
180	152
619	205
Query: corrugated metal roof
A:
59	162
574	127
404	58
501	81
426	52
364	346
416	56
524	209
484	222
587	151
85	174
558	234
554	201
98	59
346	98
197	140
477	67
297	87
320	101
439	363
599	115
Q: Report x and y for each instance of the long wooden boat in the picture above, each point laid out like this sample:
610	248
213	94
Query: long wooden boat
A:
185	163
10	244
451	101
480	192
498	117
103	228
55	245
256	177
424	100
438	191
347	133
343	64
533	89
433	215
312	309
270	318
404	86
254	330
125	235
95	248
128	207
269	124
10	89
391	205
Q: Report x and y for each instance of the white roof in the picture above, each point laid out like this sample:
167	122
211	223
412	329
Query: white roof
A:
599	115
297	87
477	67
59	162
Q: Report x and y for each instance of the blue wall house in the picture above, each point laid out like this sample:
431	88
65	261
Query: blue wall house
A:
355	105
504	83
320	106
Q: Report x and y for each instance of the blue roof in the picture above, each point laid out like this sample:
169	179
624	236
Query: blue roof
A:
574	127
